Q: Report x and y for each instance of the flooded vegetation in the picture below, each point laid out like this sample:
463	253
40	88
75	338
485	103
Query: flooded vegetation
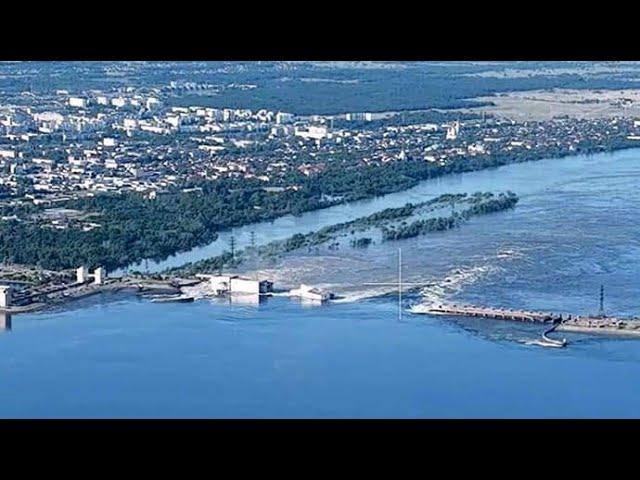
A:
442	213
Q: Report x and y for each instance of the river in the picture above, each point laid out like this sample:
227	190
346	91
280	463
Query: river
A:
574	228
523	178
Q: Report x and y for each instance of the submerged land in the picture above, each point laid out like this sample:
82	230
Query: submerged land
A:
439	214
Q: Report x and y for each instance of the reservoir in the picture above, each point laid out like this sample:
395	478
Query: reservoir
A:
576	227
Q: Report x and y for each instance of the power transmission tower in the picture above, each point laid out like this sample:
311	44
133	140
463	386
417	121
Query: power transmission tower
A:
253	251
601	311
232	246
399	284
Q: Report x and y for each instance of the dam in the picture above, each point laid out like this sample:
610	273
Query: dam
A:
488	312
600	323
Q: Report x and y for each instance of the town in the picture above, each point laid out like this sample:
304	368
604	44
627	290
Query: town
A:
61	146
117	176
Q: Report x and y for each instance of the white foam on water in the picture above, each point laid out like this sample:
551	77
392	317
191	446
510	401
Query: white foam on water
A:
542	343
455	281
459	278
365	293
291	272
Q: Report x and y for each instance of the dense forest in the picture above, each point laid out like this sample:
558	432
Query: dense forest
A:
318	87
307	89
133	228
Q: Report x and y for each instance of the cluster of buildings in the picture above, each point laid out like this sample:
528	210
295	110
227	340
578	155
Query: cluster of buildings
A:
64	145
28	295
60	146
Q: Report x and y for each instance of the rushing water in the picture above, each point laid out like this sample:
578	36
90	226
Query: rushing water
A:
574	228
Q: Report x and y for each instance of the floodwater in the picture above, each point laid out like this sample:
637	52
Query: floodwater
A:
574	229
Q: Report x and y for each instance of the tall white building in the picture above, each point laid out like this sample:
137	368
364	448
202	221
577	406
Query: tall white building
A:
315	132
282	118
118	102
77	102
453	131
352	117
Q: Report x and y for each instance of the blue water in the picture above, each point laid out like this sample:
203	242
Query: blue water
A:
574	228
135	359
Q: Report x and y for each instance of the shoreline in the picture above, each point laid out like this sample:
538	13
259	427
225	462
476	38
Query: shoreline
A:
154	263
159	289
68	297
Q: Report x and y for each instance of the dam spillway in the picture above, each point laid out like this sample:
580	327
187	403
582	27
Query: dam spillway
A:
577	323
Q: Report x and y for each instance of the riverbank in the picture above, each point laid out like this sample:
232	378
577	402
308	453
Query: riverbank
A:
288	225
71	293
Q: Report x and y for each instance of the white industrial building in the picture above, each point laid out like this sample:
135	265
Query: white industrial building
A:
130	123
366	117
118	102
83	275
221	284
247	285
316	132
77	102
